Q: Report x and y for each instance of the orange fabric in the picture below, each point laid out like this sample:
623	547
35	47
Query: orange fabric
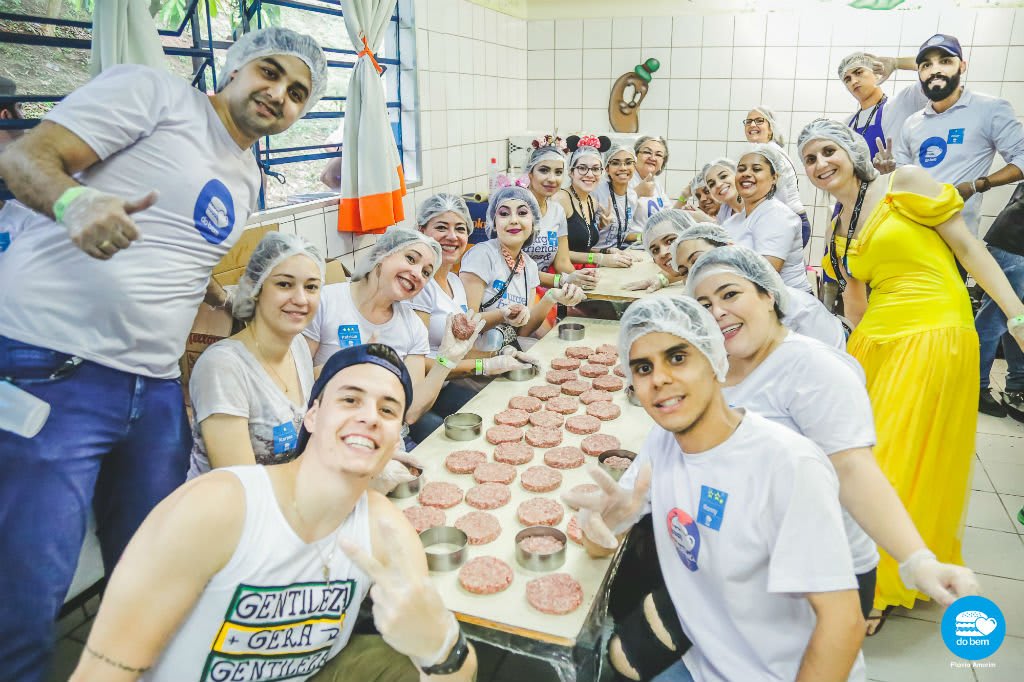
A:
369	53
373	213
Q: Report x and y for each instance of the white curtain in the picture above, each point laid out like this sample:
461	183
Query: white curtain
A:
372	182
123	32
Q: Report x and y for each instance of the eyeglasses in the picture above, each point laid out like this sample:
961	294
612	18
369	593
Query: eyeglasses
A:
627	163
648	152
756	121
588	170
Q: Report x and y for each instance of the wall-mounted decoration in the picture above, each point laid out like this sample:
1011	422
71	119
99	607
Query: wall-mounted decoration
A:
627	94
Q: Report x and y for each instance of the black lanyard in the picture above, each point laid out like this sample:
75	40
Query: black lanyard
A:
871	116
833	257
619	219
498	293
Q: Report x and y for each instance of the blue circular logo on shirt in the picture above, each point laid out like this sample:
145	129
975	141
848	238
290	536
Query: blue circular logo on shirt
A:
973	628
214	214
932	152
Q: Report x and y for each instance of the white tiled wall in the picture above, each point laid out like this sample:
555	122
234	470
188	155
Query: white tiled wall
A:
484	76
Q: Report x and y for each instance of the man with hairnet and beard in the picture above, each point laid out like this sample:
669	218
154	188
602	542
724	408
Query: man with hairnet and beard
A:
956	138
141	184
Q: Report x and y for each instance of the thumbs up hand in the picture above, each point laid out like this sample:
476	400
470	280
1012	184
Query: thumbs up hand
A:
100	224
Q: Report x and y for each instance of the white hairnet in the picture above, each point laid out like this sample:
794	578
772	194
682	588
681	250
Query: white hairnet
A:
852	142
697	183
643	139
854	60
616	148
771	153
677	315
272	250
512	193
743	262
585	150
663	221
773	121
549	153
710	232
278	40
443	202
392	240
722	161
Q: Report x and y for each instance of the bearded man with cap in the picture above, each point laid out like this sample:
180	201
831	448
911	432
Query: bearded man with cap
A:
257	572
141	184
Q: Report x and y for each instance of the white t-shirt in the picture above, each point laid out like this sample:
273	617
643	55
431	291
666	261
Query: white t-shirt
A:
622	207
151	130
230	380
808	316
959	144
774	230
895	111
439	305
724	213
648	206
744	531
13	217
338	323
486	262
551	227
820	393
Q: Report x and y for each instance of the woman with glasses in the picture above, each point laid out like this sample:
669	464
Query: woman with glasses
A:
616	200
651	158
760	127
583	216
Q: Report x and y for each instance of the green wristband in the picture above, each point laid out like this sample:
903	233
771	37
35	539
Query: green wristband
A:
590	258
663	279
479	367
558	278
69	195
1014	322
445	362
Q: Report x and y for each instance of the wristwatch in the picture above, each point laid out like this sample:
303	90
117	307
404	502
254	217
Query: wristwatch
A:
456	659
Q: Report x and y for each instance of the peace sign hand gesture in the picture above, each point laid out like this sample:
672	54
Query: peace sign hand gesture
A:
613	509
605	214
407	608
884	161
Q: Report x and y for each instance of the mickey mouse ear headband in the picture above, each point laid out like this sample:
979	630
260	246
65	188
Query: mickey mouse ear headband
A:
601	143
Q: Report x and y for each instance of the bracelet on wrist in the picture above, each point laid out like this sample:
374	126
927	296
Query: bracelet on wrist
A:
663	279
479	368
445	362
590	258
557	284
65	199
1015	322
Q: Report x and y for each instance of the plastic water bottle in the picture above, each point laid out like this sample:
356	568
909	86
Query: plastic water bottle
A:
492	177
21	412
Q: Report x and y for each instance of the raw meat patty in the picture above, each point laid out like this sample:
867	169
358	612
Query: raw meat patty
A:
540	437
598	443
526	403
575	387
564	458
565	363
582	424
579	352
548	419
540	511
480	527
485	575
504	434
556	594
440	494
462	328
513	453
604	411
592	371
594	395
512	418
423	518
606	359
488	496
494	472
620	463
540	479
541	544
618	371
545	392
608	383
574	531
559	376
563	404
464	461
608	348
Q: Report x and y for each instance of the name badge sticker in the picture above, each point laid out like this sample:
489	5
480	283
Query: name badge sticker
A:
285	438
553	239
348	335
712	507
465	308
956	136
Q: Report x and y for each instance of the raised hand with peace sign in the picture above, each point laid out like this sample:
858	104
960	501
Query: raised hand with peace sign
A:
884	161
613	509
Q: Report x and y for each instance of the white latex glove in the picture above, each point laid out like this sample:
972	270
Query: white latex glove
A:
612	510
883	67
659	281
408	459
100	223
500	364
884	161
569	294
393	475
407	609
451	347
585	278
945	583
614	260
519	319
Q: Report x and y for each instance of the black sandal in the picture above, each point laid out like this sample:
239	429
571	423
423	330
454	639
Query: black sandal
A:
880	618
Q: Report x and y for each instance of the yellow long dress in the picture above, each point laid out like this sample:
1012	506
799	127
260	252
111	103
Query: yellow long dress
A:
919	350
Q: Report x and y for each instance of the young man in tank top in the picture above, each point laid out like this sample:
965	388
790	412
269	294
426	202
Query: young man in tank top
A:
257	572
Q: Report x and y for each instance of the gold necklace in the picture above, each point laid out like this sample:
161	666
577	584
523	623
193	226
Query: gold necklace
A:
266	363
326	563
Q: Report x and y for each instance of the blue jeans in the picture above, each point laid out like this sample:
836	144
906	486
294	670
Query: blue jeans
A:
114	440
991	325
677	673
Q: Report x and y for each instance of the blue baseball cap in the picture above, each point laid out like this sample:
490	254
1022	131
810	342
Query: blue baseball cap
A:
373	354
941	41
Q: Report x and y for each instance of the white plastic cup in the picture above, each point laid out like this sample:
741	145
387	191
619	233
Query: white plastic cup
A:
21	412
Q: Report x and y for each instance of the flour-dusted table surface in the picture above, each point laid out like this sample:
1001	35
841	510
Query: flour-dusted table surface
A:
611	286
569	642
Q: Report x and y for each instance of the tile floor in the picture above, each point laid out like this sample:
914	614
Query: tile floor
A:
910	649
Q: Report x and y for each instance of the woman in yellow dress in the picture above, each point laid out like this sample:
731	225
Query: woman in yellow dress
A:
895	238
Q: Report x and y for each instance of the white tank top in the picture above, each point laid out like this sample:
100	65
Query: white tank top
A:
269	614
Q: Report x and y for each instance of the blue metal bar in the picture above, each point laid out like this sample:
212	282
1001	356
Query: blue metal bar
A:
83	44
282	150
58	21
299	158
